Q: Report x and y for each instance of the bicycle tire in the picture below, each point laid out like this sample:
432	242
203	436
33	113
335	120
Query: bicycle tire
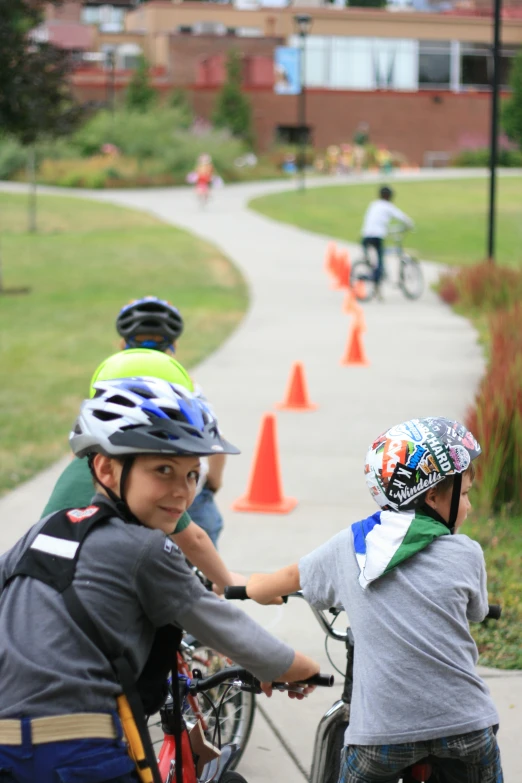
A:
363	281
232	777
411	279
240	706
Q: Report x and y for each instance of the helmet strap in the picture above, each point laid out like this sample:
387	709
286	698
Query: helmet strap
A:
455	501
120	502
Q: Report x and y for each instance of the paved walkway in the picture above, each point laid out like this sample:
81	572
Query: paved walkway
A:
424	360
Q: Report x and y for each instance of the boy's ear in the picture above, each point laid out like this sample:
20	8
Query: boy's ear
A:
107	471
431	497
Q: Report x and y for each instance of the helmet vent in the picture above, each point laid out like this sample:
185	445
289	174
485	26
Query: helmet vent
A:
106	415
117	399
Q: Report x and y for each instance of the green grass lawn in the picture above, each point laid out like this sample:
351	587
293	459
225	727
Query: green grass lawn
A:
450	216
85	263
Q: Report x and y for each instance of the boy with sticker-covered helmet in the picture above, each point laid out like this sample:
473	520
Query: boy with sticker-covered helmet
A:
96	588
410	583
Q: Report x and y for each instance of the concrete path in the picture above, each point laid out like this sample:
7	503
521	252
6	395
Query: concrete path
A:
424	360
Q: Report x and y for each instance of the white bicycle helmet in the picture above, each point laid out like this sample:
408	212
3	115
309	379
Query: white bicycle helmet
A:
132	416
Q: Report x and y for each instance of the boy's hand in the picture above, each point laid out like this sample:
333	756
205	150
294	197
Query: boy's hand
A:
234	579
258	589
300	692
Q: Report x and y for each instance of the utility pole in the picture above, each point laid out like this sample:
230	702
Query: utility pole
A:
495	86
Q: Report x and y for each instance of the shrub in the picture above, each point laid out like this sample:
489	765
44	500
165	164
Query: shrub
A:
233	110
140	135
484	286
496	419
13	157
141	95
480	158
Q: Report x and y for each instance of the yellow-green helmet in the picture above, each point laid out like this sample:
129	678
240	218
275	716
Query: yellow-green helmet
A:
141	362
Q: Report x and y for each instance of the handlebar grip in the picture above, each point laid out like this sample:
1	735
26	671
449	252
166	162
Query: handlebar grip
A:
495	611
322	680
236	593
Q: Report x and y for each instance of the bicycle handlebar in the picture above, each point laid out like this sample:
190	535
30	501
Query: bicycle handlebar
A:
198	684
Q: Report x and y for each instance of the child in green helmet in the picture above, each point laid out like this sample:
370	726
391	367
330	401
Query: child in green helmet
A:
74	487
156	324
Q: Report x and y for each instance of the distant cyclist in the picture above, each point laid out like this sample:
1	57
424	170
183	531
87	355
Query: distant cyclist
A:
154	323
376	223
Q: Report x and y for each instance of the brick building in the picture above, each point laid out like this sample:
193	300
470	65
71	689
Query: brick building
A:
421	80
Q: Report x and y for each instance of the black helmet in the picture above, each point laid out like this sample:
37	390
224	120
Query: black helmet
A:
386	193
150	316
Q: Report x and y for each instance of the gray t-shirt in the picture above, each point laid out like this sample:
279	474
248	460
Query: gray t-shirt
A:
131	579
414	666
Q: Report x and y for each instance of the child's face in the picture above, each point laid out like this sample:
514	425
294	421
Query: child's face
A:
159	488
442	502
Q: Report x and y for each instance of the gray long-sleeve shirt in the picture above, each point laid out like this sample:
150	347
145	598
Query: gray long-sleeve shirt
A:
131	579
414	665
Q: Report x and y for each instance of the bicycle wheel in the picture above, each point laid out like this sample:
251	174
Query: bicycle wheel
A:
411	278
363	281
232	777
237	707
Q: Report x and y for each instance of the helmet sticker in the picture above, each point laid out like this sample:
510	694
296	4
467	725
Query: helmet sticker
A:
460	457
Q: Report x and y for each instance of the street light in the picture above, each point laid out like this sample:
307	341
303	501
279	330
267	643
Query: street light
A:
302	26
493	152
111	66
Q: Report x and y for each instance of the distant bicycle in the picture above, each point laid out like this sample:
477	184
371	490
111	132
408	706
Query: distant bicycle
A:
410	279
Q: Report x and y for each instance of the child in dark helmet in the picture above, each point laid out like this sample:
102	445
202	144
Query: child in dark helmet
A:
410	582
155	323
376	224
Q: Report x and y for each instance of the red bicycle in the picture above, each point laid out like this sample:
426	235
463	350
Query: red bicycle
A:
204	761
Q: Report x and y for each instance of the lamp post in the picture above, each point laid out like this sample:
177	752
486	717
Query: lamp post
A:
303	25
495	86
111	66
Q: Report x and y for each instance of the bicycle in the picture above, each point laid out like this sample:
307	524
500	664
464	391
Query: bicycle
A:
238	706
410	277
329	738
219	768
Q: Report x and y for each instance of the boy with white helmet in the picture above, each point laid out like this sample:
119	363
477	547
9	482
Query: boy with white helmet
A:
86	593
409	583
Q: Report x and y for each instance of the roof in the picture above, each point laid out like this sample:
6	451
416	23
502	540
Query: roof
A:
67	35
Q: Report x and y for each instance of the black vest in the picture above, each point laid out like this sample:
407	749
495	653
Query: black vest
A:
52	558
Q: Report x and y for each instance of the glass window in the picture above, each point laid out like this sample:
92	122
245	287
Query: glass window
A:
90	14
434	70
476	65
434	64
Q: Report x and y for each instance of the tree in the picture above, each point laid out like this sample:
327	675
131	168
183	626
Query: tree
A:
35	96
512	108
140	95
233	110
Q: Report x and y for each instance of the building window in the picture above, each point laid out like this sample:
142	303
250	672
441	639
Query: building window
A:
293	134
476	65
434	64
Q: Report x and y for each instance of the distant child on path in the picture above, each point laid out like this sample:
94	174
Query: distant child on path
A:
376	223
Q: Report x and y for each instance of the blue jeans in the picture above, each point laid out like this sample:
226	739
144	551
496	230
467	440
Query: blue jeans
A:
72	761
205	513
378	244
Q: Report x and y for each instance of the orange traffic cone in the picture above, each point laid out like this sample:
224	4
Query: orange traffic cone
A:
350	305
329	262
265	493
359	289
354	353
296	397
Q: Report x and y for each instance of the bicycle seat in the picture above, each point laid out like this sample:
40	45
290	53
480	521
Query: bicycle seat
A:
421	771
